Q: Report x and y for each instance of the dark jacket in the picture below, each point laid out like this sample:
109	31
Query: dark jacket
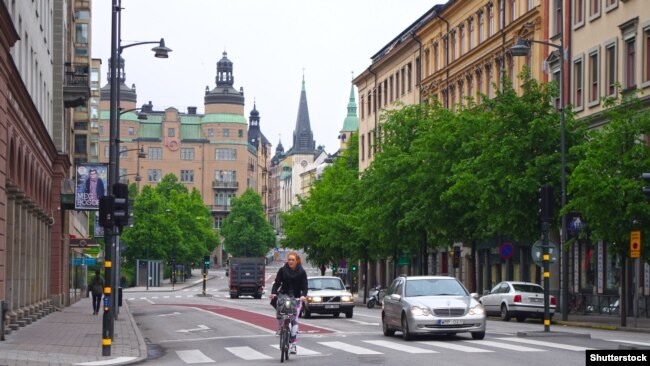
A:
291	282
97	285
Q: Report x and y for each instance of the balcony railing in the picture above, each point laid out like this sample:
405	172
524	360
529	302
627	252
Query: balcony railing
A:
76	84
222	184
220	208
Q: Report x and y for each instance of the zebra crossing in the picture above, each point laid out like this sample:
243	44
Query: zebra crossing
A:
183	293
309	347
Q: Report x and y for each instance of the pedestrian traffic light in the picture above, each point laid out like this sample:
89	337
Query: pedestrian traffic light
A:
121	205
206	260
546	203
106	211
646	178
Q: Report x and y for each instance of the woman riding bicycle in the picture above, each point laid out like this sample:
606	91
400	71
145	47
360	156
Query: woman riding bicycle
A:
291	280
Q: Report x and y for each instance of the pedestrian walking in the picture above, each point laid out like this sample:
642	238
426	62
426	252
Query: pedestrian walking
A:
97	288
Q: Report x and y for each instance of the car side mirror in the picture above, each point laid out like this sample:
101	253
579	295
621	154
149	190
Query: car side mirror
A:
486	292
395	297
474	295
348	287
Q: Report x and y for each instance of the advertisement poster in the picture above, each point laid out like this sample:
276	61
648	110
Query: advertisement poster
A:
90	185
99	230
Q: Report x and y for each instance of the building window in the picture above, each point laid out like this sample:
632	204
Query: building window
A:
131	131
218	221
427	60
226	132
555	76
531	4
481	27
409	75
577	84
488	81
479	85
187	176
223	198
594	9
611	5
470	24
154	175
646	54
107	152
210	132
579	12
470	87
461	40
240	133
594	94
225	175
363	109
610	64
187	153
452	48
630	63
155	153
435	59
363	148
81	33
490	11
225	154
403	81
557	16
123	152
385	89
80	143
171	132
513	11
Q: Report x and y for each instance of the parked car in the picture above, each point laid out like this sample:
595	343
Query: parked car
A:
327	295
519	299
431	305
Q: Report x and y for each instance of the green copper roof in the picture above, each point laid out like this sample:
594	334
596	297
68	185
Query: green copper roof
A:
191	131
150	130
351	122
224	118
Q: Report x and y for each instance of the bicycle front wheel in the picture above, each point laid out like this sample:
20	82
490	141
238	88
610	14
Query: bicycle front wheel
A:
284	344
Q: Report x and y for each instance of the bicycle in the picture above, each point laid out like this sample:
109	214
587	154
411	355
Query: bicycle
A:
286	308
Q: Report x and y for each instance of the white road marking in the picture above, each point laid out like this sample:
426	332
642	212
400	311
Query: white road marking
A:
363	323
201	327
512	347
454	346
340	346
112	361
302	351
630	342
174	313
247	353
400	347
547	344
194	356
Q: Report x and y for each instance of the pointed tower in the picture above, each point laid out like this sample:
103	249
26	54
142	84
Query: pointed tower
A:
224	98
303	138
254	132
127	97
350	123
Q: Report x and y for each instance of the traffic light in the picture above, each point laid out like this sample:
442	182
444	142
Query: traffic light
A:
646	178
121	205
334	269
546	203
206	260
106	211
354	267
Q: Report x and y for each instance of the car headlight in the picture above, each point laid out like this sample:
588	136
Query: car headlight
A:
346	298
418	311
311	299
477	310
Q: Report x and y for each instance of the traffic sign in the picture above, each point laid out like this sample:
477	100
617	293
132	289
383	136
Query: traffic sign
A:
506	250
635	244
537	250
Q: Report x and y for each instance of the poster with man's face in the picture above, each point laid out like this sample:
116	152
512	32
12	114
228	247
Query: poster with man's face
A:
91	184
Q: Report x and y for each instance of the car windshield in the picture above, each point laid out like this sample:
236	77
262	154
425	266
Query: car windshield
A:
434	287
325	284
528	288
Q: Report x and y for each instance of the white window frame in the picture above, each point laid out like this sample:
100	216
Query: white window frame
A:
612	44
590	67
578	83
595	15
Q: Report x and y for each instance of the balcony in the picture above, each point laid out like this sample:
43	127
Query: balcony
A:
76	84
222	184
219	208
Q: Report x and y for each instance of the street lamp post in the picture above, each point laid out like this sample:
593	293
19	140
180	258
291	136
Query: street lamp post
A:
522	48
111	239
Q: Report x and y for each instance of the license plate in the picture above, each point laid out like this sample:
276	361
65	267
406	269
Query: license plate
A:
450	322
331	306
535	299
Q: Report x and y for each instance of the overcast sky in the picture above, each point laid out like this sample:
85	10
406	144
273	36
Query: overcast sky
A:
270	42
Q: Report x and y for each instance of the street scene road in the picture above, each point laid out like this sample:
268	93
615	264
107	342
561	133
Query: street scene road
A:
185	327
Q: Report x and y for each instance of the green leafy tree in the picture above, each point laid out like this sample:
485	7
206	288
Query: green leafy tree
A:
246	231
606	185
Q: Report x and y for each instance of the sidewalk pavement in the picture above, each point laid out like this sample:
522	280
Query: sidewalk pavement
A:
72	335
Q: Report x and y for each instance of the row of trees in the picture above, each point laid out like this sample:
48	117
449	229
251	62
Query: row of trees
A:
473	175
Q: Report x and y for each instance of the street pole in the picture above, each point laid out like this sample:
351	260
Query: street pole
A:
564	299
547	274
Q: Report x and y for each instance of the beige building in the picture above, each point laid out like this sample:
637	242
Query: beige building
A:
216	152
610	43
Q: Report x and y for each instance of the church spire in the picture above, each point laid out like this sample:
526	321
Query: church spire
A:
303	138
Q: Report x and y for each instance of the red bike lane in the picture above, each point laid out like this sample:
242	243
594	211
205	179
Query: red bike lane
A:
257	319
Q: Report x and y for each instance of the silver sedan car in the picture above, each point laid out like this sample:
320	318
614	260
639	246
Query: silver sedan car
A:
519	299
431	305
